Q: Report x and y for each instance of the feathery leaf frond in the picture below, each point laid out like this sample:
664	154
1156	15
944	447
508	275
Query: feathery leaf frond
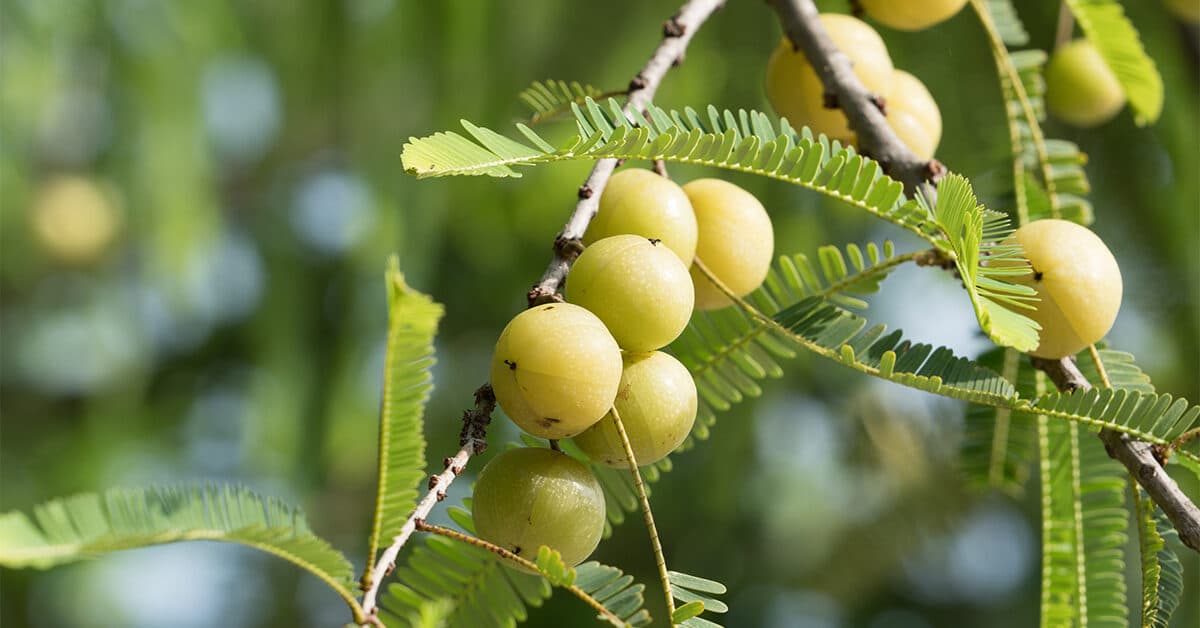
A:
1008	23
1083	530
1162	572
483	590
747	141
999	444
1104	23
728	351
1048	176
1151	417
407	383
550	99
973	233
89	525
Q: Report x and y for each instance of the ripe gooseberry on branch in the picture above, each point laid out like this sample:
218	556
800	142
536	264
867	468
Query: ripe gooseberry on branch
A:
643	203
657	404
1077	280
637	286
796	92
529	497
736	240
913	114
1081	90
555	370
911	15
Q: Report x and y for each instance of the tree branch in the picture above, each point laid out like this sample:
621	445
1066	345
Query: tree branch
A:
473	441
677	33
802	24
1138	457
875	137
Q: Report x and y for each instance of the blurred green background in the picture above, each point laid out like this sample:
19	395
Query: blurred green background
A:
197	199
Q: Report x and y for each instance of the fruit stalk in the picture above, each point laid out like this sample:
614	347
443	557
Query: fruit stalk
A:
473	441
803	27
1137	456
659	559
677	33
523	562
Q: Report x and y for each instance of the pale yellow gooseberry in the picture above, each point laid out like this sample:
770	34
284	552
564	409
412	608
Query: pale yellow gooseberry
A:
736	240
643	203
555	370
657	406
796	92
1081	90
911	15
1077	280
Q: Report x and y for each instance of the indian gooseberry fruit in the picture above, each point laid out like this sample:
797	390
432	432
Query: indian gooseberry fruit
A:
643	203
555	370
913	114
529	497
1081	90
1077	280
736	241
75	219
657	406
637	287
911	15
795	89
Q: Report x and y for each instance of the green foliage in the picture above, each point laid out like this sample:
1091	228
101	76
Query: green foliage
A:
407	383
1048	176
90	525
974	232
550	563
551	98
1008	23
696	595
1162	572
1104	23
482	590
1083	530
744	142
728	350
999	444
1151	417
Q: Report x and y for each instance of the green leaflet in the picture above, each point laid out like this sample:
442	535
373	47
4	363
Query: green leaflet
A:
85	526
696	595
1008	24
1162	572
482	591
407	383
1104	23
550	99
745	142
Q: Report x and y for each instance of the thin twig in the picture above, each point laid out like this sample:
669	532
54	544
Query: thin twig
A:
523	562
1137	456
875	136
659	559
473	441
677	33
